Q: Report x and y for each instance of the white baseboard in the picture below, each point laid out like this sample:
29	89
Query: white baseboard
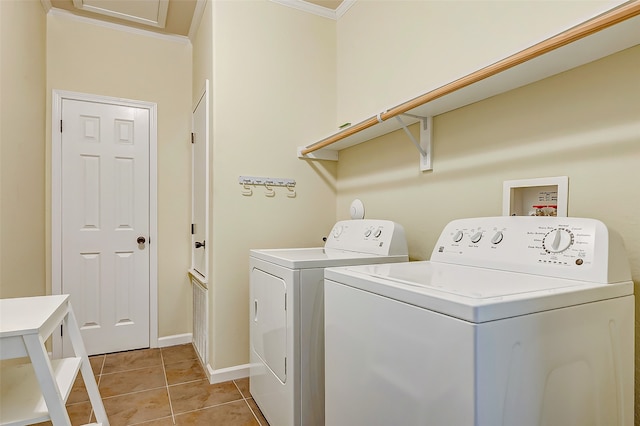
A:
226	374
176	339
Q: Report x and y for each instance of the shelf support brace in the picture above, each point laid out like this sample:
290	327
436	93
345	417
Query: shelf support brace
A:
424	146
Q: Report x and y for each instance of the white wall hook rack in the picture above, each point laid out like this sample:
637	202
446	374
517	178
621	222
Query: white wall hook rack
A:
291	191
268	183
270	192
246	190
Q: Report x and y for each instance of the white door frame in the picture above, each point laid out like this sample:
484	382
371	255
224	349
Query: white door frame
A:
56	200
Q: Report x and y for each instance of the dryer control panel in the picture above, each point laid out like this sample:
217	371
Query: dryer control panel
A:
563	247
379	237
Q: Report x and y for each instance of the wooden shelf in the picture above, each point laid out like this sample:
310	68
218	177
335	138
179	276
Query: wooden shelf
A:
604	35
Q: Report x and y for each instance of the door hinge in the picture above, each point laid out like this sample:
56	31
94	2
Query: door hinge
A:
61	333
193	137
193	228
60	126
285	301
285	365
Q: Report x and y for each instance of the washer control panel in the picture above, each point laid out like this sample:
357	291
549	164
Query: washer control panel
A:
566	247
381	237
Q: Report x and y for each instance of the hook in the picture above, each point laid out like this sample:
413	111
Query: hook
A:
292	191
247	191
270	191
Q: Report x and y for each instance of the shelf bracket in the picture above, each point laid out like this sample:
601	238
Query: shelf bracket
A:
424	146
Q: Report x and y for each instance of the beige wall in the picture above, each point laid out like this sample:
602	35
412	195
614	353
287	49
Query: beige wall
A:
273	90
22	147
83	57
417	46
584	124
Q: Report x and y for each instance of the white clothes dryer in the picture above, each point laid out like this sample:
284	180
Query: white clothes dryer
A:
515	321
287	315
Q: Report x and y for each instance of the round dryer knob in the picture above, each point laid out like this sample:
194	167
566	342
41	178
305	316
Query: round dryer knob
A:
557	240
476	237
337	231
497	238
457	237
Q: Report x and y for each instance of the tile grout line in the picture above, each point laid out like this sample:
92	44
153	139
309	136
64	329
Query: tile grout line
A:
214	406
146	422
104	357
247	402
128	370
131	393
166	381
253	412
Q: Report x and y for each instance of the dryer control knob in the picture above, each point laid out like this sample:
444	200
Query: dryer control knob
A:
476	237
337	231
497	238
457	237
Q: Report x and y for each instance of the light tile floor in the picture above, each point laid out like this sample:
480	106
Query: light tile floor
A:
162	387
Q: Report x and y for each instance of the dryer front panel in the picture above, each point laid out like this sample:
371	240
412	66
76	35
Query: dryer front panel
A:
269	321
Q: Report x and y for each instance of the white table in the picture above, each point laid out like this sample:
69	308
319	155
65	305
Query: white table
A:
36	392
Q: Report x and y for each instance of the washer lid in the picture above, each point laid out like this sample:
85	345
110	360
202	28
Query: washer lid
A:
319	257
471	293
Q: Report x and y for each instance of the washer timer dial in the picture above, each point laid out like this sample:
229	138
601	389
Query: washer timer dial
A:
557	240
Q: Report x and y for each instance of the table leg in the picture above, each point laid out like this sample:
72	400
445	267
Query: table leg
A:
48	385
85	368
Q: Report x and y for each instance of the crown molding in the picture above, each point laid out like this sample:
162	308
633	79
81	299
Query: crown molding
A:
318	10
118	27
197	18
344	6
46	4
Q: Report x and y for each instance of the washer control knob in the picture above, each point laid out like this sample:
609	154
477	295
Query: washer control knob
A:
557	240
337	231
378	232
457	237
497	238
367	233
476	237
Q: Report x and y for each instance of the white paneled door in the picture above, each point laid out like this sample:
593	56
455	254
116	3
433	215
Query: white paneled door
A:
105	222
200	182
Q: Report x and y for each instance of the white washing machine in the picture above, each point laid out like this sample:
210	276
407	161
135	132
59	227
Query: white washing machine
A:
514	321
287	315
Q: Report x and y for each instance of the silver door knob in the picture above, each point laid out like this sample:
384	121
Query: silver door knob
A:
141	240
